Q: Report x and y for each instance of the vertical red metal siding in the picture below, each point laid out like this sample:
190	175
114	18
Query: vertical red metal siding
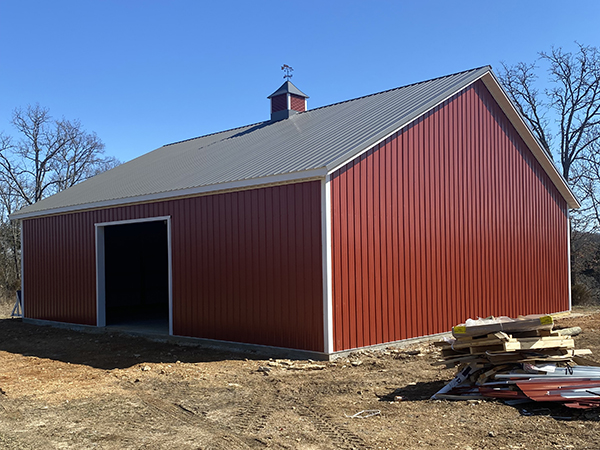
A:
297	103
450	218
279	103
246	266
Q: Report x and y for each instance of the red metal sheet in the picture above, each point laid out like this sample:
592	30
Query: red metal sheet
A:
500	392
555	390
452	217
247	265
587	404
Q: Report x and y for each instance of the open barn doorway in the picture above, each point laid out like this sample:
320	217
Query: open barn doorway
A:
134	275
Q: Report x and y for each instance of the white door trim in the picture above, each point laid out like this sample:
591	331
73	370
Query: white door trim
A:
100	267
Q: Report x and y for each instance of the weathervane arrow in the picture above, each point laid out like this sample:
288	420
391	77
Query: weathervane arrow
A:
288	71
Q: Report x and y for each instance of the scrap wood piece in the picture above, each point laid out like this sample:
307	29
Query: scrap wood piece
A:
490	339
452	362
571	331
493	371
501	336
581	351
365	413
515	357
498	335
492	325
483	349
538	343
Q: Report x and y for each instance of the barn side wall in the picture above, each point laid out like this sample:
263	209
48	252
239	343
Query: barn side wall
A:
450	218
247	265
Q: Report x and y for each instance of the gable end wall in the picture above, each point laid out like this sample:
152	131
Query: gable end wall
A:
450	218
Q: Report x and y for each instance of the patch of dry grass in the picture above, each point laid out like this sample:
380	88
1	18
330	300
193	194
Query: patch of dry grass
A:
6	307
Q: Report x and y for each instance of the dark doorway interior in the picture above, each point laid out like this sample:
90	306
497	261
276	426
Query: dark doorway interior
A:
137	276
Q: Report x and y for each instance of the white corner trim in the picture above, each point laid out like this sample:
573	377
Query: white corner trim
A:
22	275
327	262
569	261
100	266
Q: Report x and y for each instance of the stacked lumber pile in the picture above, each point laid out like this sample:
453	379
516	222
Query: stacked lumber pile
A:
519	360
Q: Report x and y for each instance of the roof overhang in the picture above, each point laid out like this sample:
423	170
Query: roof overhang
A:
252	183
288	88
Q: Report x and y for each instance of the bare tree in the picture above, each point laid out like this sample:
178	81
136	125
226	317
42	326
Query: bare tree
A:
49	155
565	117
10	243
572	101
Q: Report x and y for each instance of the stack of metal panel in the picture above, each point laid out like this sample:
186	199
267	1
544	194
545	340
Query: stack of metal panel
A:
519	360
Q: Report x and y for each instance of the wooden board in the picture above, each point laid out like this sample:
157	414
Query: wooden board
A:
506	324
533	343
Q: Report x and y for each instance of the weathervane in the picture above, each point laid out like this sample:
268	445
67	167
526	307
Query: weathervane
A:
288	71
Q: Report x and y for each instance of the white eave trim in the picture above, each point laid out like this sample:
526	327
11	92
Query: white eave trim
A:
253	183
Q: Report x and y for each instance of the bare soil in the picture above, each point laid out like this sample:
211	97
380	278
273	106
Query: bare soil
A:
62	389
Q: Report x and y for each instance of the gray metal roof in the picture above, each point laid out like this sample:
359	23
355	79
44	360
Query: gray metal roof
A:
288	87
322	138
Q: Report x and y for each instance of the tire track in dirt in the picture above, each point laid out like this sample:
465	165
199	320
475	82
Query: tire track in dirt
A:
215	432
254	417
339	434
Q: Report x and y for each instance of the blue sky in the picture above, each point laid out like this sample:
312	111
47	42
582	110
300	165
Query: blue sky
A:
142	74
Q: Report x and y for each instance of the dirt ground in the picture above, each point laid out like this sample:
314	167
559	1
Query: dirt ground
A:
62	389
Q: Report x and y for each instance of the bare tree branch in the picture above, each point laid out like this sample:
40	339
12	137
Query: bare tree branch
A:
571	106
50	156
46	156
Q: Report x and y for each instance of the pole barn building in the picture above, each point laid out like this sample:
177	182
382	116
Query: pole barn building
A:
378	219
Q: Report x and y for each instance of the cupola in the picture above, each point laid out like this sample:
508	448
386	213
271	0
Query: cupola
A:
287	101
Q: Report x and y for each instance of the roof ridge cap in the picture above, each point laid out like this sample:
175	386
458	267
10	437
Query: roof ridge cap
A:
397	88
327	106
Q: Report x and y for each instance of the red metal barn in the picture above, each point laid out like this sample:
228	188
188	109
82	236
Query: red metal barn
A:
383	218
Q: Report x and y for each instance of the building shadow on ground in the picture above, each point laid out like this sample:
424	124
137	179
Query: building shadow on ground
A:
104	349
